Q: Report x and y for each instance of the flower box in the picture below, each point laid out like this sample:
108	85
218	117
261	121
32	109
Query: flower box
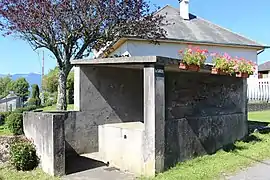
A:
183	66
192	58
218	71
191	67
242	75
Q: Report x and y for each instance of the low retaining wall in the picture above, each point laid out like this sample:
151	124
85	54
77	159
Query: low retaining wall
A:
258	107
47	132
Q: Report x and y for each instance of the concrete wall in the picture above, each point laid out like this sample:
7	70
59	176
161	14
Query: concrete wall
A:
144	48
204	112
121	145
47	132
104	95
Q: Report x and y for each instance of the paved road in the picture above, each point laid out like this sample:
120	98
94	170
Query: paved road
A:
260	171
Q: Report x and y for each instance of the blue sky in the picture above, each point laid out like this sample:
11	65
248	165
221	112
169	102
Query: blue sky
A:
249	18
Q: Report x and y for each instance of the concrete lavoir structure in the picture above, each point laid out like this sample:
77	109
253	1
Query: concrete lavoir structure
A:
142	115
150	115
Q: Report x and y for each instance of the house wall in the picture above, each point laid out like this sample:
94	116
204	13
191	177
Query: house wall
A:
144	48
204	112
10	105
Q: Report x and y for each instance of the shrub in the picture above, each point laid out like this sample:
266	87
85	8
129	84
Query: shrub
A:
23	155
33	101
3	116
30	108
27	108
15	123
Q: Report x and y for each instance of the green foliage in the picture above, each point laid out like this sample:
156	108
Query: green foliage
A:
20	88
23	155
35	99
70	88
15	123
24	109
4	86
50	81
50	86
3	116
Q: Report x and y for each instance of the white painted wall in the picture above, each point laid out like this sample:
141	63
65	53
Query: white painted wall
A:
143	48
140	48
122	50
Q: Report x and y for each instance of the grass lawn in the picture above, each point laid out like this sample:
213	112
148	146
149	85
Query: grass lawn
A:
4	131
53	107
262	116
8	173
224	163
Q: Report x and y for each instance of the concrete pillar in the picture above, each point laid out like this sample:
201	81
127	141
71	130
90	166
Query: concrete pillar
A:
154	119
77	88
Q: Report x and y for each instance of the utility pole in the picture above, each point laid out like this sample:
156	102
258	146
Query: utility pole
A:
42	75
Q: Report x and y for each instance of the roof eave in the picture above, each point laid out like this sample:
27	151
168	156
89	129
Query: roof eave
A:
259	47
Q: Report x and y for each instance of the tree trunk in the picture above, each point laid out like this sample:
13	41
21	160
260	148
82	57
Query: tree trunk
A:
61	97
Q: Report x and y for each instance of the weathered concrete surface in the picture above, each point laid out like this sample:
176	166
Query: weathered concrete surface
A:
112	94
203	113
47	132
121	145
119	60
106	95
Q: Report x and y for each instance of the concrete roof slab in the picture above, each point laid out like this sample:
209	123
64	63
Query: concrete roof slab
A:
117	60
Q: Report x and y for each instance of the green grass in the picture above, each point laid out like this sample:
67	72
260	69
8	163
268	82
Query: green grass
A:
262	116
8	173
53	107
223	163
4	131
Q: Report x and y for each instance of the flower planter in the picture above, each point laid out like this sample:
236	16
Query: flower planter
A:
242	75
194	67
183	66
218	71
191	67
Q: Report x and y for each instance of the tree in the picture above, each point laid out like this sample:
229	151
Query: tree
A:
20	88
4	84
35	99
50	81
50	84
70	29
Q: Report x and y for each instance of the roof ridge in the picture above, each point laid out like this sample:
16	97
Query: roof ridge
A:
167	5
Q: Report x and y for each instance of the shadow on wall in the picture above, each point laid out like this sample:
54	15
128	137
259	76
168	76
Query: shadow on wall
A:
117	90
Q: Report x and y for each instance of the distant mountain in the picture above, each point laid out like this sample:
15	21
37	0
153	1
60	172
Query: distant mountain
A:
32	78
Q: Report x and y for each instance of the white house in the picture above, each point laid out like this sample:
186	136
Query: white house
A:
187	29
10	102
